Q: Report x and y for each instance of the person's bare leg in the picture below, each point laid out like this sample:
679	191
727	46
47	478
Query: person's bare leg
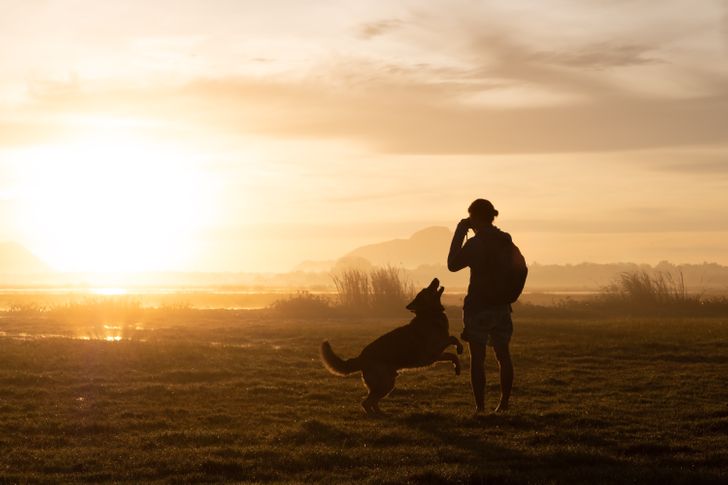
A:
505	364
477	375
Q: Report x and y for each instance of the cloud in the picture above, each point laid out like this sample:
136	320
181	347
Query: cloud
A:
434	107
603	56
577	71
422	118
632	220
398	117
699	167
370	30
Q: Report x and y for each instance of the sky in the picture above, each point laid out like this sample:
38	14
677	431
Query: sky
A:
231	135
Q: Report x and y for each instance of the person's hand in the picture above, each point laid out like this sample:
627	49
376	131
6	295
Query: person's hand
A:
464	224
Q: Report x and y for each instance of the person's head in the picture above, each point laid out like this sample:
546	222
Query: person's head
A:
481	213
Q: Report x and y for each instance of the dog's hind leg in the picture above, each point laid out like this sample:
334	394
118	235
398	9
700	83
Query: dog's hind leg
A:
380	382
450	357
453	340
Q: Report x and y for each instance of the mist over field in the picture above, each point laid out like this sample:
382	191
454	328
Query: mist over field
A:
421	255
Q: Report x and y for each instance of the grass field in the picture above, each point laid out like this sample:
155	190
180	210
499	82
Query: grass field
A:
241	396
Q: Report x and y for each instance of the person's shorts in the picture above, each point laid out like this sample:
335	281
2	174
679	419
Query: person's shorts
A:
492	326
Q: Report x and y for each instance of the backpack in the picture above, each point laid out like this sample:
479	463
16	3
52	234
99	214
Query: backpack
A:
511	272
501	270
515	277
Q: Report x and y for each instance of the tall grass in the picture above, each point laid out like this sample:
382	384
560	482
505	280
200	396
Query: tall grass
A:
118	310
641	288
637	293
390	289
379	291
352	286
640	292
385	290
26	308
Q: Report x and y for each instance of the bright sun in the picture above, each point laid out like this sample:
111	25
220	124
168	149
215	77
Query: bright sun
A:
113	204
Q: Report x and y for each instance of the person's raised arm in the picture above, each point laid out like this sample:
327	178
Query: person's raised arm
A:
457	258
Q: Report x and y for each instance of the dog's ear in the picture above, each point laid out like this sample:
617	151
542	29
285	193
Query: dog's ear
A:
441	291
435	283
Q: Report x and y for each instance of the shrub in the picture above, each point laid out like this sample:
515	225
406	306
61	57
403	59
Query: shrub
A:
303	304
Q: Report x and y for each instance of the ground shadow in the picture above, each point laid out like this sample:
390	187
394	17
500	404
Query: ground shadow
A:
488	462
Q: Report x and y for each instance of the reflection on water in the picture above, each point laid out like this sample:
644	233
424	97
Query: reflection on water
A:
143	297
114	333
106	333
38	336
237	346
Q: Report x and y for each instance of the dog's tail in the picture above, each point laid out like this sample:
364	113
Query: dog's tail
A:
335	364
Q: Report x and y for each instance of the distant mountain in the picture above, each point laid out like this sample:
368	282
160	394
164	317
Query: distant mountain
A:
424	255
344	263
428	246
15	259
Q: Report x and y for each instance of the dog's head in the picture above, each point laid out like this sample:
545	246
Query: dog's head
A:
428	300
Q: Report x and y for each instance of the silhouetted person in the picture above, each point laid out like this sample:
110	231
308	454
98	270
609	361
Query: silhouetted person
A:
486	317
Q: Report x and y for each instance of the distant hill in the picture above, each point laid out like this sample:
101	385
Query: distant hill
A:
428	246
425	252
15	259
709	278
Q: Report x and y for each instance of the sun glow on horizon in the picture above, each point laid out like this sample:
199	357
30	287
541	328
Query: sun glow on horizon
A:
112	204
